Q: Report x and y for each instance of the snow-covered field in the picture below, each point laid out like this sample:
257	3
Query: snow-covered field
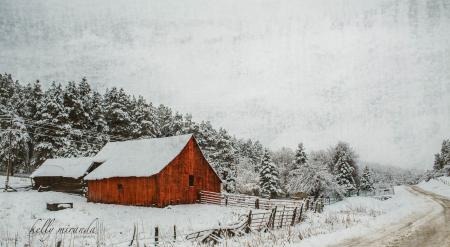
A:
20	210
351	218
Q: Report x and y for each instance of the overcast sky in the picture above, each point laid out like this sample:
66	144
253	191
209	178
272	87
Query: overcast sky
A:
373	73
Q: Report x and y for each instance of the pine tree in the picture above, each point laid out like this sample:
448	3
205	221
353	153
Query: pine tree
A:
50	133
7	90
165	121
256	155
143	119
344	175
224	161
366	182
300	157
14	146
269	180
34	97
117	113
443	158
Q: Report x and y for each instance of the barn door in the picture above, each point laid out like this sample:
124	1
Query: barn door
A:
120	192
192	192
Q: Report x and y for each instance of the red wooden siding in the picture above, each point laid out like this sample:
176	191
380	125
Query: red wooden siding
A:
170	186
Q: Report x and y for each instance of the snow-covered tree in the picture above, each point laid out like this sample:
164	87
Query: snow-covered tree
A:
300	157
312	176
269	178
366	181
344	167
7	89
14	146
443	158
51	128
117	114
344	175
224	160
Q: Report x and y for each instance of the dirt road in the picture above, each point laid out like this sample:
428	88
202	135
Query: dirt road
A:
430	228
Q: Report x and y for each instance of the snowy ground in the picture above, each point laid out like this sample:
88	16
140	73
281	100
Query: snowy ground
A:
340	224
359	221
440	186
20	210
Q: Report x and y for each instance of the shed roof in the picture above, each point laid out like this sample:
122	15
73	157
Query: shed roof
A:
63	167
137	158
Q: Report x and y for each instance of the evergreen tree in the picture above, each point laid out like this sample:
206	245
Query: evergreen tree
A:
189	126
14	145
300	157
117	113
443	158
50	134
33	98
255	155
165	121
224	161
144	118
269	180
344	175
7	90
366	182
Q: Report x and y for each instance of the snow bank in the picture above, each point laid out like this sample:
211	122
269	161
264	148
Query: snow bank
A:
440	185
358	216
63	167
137	158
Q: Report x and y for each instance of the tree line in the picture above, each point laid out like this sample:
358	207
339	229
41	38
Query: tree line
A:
74	120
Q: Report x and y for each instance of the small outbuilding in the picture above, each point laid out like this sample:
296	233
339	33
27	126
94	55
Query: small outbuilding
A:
151	172
62	174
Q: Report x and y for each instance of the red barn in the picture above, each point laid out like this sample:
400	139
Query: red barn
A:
151	172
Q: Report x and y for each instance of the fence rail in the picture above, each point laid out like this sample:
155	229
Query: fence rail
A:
225	199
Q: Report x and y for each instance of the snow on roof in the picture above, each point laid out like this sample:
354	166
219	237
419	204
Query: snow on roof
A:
63	167
137	158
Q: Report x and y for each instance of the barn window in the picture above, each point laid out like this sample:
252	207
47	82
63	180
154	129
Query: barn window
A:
191	180
120	187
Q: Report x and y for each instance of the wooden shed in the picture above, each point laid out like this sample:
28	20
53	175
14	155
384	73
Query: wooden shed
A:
151	172
62	174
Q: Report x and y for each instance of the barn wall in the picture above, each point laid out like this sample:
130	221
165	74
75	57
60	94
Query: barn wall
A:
139	191
61	184
170	186
174	179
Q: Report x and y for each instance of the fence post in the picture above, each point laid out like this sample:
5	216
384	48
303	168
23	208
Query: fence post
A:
249	222
293	217
282	217
156	236
226	201
257	203
300	214
134	235
274	216
174	233
307	204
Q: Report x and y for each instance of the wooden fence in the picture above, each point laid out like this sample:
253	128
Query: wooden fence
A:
256	222
225	199
270	214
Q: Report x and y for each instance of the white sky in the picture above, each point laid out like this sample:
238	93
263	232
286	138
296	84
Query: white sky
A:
373	73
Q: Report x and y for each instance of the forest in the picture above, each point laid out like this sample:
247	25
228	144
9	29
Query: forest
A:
74	120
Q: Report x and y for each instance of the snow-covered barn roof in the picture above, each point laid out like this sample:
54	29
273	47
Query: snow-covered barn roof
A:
64	167
137	158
